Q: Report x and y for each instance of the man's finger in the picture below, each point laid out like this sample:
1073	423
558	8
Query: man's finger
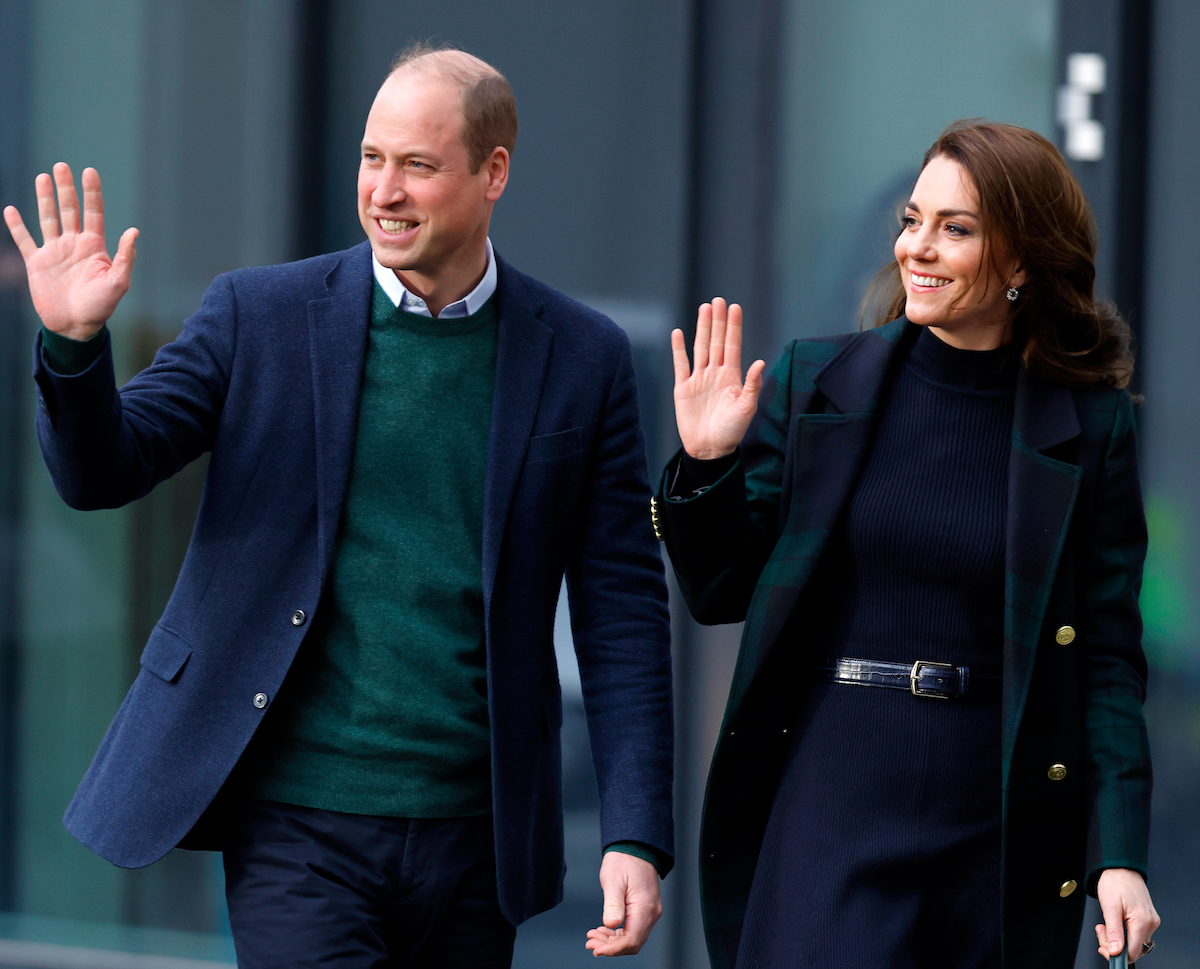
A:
21	236
122	264
639	920
679	357
47	210
93	202
68	201
614	910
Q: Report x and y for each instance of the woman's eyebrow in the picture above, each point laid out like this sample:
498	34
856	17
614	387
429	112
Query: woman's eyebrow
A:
943	213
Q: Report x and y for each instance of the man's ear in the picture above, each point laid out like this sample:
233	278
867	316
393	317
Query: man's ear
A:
496	166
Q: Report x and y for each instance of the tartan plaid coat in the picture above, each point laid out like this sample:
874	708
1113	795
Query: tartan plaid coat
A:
746	548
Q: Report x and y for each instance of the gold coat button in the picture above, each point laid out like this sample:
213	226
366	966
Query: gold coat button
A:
1057	772
655	520
1067	887
1065	635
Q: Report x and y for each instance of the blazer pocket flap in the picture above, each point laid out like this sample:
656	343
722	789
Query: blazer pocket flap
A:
545	447
165	654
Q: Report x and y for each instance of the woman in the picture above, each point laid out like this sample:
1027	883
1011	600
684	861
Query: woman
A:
934	533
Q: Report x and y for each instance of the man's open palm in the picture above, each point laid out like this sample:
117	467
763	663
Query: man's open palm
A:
74	284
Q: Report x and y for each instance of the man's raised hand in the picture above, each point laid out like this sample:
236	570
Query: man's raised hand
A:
74	285
713	408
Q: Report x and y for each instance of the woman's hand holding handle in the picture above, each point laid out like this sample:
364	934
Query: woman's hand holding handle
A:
1128	913
713	408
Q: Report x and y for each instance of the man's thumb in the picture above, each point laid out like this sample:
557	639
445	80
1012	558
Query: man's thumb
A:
614	906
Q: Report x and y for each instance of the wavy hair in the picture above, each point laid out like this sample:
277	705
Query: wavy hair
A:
1031	203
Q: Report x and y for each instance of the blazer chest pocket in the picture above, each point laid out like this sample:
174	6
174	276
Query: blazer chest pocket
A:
561	444
165	654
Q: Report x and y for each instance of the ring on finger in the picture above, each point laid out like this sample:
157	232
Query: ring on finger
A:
1148	947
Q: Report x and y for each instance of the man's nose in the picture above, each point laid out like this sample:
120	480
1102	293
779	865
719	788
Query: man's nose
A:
389	187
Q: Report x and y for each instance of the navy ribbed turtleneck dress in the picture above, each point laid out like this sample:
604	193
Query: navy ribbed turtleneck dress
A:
883	847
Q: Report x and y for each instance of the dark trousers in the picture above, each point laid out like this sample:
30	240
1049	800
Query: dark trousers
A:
309	888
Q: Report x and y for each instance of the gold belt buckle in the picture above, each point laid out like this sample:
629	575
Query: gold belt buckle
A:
915	673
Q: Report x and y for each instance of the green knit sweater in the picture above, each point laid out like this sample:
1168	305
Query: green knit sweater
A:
384	711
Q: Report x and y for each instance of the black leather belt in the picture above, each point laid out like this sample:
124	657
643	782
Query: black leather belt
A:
922	678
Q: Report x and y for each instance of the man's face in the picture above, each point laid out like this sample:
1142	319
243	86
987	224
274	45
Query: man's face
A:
424	212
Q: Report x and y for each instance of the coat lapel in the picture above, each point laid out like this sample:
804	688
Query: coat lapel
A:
337	340
827	452
1041	498
522	353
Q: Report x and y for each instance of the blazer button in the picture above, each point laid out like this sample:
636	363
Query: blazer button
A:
298	617
1057	772
1065	635
1067	887
260	700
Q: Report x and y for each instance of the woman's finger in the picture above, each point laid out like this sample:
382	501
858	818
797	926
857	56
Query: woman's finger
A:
703	335
679	357
1114	924
68	201
716	350
733	337
47	210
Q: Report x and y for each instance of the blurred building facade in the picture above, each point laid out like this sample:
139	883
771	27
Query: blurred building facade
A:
670	150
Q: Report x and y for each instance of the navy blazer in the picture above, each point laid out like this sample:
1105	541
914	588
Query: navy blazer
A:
1074	671
266	376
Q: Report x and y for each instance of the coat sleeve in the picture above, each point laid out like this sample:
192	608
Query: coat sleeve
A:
720	539
1114	666
620	624
105	447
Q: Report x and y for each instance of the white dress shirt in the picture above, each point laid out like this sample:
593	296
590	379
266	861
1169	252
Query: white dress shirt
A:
409	302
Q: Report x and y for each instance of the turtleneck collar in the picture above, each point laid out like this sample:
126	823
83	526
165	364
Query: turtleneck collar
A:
968	371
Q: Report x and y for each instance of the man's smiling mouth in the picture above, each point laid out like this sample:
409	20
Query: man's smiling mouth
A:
395	225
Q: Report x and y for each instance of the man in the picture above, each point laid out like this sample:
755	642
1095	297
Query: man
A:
411	441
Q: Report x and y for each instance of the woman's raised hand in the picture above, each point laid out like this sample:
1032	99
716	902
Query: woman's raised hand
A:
74	285
713	407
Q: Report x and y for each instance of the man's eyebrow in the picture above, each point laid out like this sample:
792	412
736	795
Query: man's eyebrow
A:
942	213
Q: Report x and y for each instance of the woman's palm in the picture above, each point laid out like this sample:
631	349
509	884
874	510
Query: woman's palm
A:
713	408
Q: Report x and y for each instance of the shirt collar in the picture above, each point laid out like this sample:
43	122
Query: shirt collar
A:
398	293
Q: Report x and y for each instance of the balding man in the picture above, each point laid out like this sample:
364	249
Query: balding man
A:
353	691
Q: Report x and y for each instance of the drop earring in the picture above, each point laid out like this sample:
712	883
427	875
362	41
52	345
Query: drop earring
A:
1012	294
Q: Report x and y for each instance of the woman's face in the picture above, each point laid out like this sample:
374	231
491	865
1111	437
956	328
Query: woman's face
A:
940	252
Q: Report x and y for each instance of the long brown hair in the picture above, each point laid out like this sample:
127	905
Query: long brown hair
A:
1030	201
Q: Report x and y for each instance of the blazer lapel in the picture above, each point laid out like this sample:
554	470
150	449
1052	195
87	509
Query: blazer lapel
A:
522	353
1041	498
337	339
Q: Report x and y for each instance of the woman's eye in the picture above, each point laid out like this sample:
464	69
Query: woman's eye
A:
908	221
957	230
